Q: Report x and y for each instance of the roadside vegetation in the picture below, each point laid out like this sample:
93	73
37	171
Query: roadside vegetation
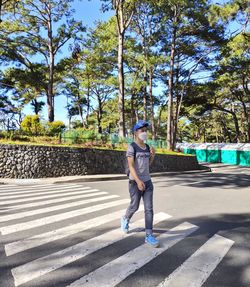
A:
183	66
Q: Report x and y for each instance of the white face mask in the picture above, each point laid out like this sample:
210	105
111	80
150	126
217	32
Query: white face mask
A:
143	136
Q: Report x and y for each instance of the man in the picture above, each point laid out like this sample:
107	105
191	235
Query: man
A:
140	156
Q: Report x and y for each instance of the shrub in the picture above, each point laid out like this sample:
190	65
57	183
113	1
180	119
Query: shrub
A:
31	125
55	128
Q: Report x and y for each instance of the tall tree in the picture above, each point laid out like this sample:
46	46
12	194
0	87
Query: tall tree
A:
75	97
146	27
185	24
233	72
34	35
124	11
96	61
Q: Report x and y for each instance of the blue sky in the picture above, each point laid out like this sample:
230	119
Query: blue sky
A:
89	11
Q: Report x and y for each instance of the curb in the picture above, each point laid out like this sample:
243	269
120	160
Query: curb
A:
92	178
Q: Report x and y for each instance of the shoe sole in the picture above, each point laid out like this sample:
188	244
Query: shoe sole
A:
153	245
124	230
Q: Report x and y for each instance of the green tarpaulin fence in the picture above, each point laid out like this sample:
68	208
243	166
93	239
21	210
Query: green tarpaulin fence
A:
238	154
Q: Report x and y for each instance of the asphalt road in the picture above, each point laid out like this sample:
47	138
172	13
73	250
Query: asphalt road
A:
68	234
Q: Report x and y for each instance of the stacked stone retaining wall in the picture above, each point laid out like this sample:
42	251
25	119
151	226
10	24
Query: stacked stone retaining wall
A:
28	161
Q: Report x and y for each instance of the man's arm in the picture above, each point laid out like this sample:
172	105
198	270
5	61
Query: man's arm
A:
152	155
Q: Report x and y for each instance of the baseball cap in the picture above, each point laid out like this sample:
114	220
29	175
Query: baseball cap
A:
140	124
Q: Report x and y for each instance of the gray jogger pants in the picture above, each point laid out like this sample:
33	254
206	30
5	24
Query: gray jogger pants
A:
135	196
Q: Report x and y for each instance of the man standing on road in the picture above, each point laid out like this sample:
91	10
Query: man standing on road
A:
140	156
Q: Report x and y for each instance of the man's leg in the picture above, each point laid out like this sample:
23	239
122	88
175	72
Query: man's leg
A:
149	214
148	206
135	197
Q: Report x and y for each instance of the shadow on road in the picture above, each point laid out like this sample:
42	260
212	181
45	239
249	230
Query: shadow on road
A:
233	270
222	180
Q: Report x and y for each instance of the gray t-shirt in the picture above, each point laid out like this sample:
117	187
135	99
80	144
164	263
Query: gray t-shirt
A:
141	161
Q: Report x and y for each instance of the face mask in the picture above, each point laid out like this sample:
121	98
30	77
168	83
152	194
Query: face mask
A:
143	136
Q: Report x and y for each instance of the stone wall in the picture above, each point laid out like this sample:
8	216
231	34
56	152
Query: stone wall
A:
26	161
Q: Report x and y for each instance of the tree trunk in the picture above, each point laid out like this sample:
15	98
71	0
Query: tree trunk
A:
99	114
246	109
247	118
159	119
80	111
178	102
225	131
35	105
1	3
132	109
123	19
121	32
88	103
145	79
236	123
50	92
171	87
152	103
121	122
237	129
204	134
136	115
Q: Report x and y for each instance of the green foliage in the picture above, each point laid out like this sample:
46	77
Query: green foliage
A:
31	125
13	136
55	128
76	124
31	41
211	70
79	135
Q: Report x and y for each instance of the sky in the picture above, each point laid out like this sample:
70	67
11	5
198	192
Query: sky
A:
89	11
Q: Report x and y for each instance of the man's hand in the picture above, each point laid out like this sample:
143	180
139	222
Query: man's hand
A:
152	155
152	152
140	185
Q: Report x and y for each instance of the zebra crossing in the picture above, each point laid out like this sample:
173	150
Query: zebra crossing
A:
32	217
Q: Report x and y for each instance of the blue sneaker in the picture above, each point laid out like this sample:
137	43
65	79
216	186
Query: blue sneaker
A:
124	224
151	240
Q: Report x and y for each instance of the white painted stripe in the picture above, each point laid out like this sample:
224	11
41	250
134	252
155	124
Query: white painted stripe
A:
17	189
59	193
58	207
58	217
42	185
101	181
40	239
44	265
16	185
37	192
112	273
57	200
6	186
197	268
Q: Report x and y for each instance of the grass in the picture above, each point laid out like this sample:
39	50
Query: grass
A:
44	141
